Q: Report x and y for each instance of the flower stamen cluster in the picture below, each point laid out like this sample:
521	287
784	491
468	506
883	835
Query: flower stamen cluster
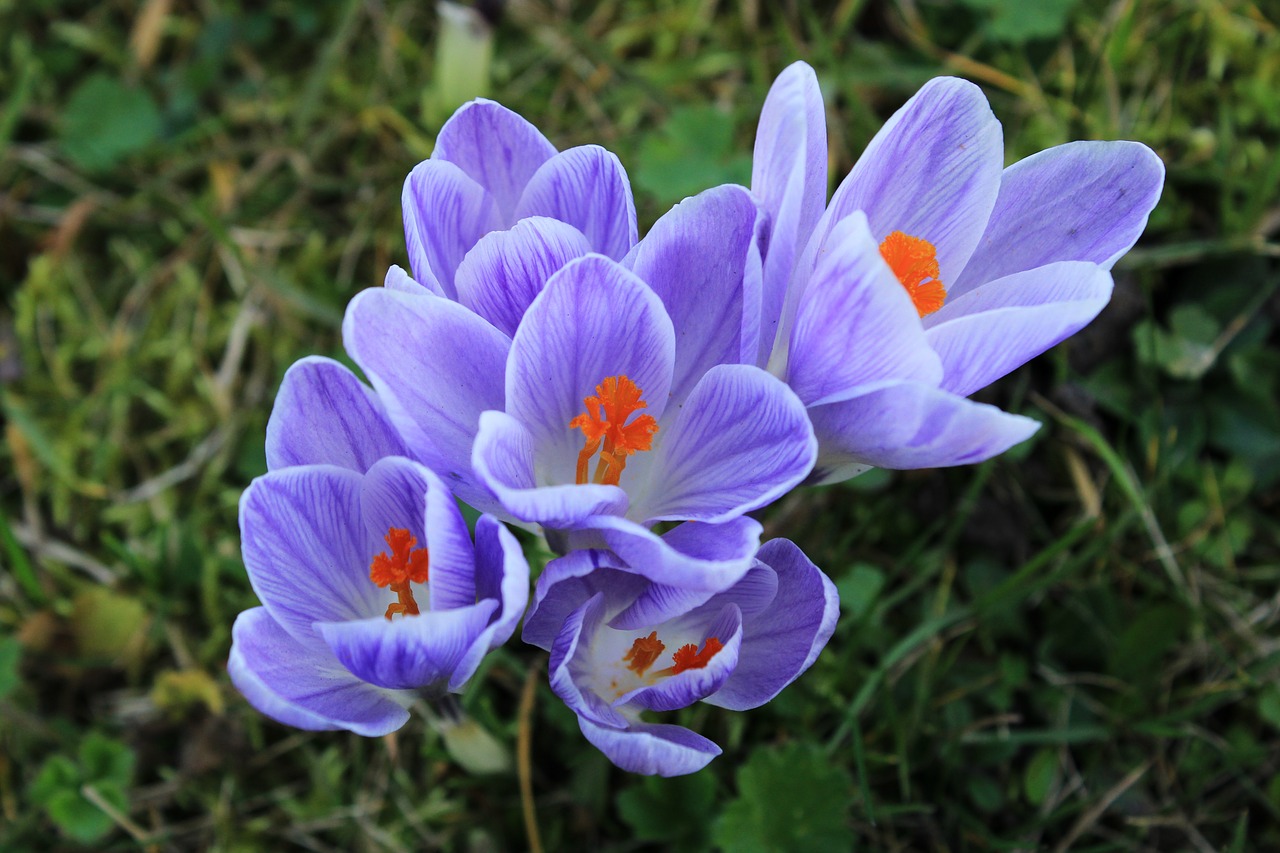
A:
915	262
402	566
605	423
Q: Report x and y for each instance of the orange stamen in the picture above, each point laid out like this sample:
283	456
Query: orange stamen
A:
604	423
688	656
915	262
644	651
398	569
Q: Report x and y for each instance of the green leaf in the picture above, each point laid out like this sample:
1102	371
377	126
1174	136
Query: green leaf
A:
672	811
103	760
1187	350
1041	774
790	798
105	121
692	151
10	658
859	590
58	773
1017	21
1269	705
81	819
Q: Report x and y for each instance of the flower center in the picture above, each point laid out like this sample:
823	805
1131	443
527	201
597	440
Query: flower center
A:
606	430
645	650
397	569
915	262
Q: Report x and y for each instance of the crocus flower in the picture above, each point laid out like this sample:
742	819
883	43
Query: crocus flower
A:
933	271
372	593
612	661
612	398
324	415
493	185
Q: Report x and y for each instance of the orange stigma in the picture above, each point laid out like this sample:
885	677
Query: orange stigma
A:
688	656
604	423
404	565
644	651
915	262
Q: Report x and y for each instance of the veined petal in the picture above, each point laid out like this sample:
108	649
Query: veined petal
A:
910	425
505	463
436	366
445	213
740	441
324	415
567	582
397	279
408	652
306	549
702	258
502	575
933	171
1083	201
566	664
303	685
783	640
789	177
1005	323
856	323
686	566
497	148
587	188
655	750
507	269
593	320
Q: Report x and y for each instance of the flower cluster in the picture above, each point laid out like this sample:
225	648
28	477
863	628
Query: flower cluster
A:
634	399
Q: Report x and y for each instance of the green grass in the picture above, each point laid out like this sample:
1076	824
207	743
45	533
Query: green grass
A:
1071	647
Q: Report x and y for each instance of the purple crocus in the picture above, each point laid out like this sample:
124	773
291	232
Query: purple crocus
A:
933	271
493	187
373	594
604	403
612	660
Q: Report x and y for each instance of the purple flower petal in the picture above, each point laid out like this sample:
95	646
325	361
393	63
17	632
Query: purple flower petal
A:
713	301
497	148
681	690
306	550
655	750
303	685
989	331
408	652
564	668
933	172
324	415
403	494
507	269
686	565
783	640
504	461
1083	201
397	279
436	366
594	320
789	176
587	188
567	582
502	575
445	213
856	323
909	425
740	441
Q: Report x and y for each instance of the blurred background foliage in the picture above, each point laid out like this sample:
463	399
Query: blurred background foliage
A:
1074	646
